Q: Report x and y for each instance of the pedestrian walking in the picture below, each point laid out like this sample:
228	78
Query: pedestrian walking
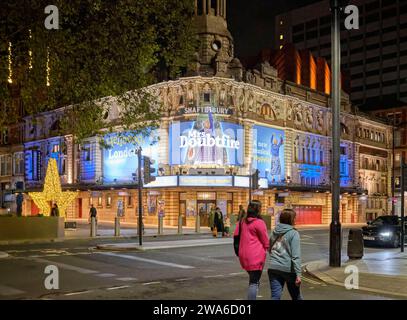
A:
227	226
211	218
54	210
241	213
253	246
285	258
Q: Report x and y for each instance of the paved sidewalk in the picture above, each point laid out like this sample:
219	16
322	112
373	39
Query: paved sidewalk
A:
156	245
127	230
383	272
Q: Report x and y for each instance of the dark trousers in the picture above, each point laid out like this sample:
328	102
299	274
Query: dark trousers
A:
254	282
277	281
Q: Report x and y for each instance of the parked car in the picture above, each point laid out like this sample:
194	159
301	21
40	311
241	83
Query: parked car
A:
385	230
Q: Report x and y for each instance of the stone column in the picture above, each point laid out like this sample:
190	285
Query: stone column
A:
248	146
288	153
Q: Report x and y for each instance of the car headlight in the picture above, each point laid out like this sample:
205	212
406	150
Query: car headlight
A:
385	234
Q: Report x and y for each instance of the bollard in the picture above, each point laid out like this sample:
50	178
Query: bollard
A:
117	227
180	224
93	227
198	224
160	225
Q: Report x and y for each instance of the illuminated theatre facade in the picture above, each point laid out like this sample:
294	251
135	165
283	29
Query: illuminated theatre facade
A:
220	122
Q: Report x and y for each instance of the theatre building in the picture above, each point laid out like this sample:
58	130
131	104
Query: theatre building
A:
221	122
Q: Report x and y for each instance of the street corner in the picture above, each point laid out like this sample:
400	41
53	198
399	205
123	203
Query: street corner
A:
320	269
3	255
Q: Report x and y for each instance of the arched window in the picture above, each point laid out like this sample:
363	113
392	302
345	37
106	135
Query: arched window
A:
344	128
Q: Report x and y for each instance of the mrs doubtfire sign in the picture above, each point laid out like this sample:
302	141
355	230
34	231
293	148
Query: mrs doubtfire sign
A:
206	141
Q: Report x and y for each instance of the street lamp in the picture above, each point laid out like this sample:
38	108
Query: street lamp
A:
335	227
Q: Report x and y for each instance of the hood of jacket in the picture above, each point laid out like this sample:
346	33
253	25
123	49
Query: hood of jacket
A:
282	228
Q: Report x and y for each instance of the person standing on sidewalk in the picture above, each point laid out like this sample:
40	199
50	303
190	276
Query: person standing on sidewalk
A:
93	213
217	222
285	258
211	218
253	246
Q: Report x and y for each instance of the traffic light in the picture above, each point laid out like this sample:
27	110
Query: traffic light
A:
148	170
255	179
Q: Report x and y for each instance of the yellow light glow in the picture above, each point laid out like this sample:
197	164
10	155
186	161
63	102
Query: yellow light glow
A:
53	192
281	37
48	69
281	47
10	64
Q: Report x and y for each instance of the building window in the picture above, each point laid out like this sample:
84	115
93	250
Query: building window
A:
90	201
100	202
108	201
321	158
129	201
18	163
5	165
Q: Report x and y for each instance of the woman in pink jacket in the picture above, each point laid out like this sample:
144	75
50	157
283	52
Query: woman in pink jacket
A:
253	246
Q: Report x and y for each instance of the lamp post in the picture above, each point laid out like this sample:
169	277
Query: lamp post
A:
335	227
140	200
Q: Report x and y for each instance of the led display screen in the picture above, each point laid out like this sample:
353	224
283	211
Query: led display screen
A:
206	141
268	153
120	157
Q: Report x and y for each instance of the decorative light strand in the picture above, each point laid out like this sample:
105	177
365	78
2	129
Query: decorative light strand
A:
10	64
30	53
48	69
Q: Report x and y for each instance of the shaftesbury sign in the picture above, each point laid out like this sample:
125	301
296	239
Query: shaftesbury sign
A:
206	110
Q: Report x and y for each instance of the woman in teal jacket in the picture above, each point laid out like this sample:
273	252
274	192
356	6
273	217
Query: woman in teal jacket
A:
285	258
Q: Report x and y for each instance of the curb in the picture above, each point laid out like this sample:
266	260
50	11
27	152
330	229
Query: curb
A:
330	280
110	247
3	255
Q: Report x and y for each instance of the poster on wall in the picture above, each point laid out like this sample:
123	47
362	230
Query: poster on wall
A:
120	156
152	204
161	208
222	204
206	141
191	208
268	153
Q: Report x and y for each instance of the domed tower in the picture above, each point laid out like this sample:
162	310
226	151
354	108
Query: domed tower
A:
215	53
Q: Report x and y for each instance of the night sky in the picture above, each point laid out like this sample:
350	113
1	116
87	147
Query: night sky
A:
251	22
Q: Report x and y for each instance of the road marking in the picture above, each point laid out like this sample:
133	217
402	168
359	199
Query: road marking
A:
125	256
9	291
150	283
66	266
76	293
185	279
312	243
236	273
214	276
105	275
126	279
117	288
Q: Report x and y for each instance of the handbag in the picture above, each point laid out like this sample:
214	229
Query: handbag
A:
236	239
215	231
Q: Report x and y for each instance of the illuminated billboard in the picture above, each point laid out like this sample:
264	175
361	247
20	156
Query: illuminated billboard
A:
120	157
206	141
268	153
